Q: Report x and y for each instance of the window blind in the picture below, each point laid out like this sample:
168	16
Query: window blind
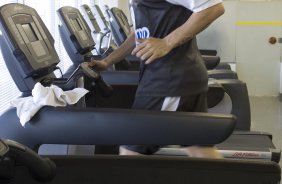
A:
8	89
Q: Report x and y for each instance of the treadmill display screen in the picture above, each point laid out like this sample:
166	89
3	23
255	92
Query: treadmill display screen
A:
76	25
29	32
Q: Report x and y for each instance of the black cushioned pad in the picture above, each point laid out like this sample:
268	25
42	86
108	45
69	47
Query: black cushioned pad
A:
113	127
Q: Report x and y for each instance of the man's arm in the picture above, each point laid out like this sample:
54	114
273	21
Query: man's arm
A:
117	55
153	48
194	25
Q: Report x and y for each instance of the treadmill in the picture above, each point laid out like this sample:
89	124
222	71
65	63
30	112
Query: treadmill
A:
94	12
228	96
19	164
102	126
225	96
98	26
119	24
75	30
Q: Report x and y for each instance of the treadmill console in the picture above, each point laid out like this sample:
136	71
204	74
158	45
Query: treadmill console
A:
101	20
119	24
28	39
41	169
77	29
93	22
122	20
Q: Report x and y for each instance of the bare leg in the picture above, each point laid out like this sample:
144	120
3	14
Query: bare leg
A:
192	151
123	151
203	152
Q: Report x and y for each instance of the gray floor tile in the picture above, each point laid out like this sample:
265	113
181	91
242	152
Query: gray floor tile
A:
267	117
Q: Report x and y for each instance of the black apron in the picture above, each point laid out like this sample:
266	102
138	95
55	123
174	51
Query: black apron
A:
181	72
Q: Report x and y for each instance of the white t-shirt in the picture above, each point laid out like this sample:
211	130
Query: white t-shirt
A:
195	5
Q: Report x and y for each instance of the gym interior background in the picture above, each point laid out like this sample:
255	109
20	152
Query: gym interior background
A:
241	37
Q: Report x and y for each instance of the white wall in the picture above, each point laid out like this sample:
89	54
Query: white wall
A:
110	3
122	4
258	62
221	34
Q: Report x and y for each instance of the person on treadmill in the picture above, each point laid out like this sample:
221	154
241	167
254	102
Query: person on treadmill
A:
172	74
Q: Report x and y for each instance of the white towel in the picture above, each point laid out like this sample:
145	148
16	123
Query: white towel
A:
27	107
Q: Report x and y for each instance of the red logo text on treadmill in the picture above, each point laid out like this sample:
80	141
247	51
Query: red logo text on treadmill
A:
242	154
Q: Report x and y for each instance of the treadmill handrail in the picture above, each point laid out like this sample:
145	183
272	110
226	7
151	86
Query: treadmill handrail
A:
99	126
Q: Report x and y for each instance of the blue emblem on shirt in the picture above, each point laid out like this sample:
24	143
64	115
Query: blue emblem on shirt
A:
142	33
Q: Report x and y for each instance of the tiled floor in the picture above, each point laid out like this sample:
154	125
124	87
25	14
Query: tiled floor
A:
267	117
